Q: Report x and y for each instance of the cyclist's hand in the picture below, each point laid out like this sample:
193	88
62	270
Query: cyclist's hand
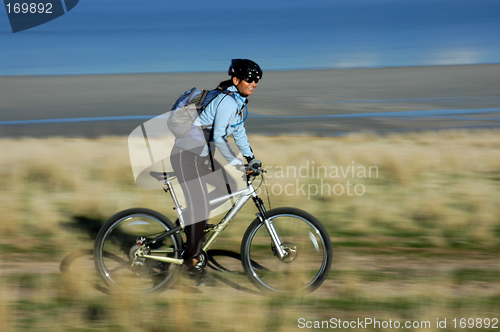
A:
254	166
254	163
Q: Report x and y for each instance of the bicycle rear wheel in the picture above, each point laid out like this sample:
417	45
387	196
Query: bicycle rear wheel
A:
116	244
303	238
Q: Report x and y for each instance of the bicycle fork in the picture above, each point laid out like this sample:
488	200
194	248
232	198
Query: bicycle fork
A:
275	239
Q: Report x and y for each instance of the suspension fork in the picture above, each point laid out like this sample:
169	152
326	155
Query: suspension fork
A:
275	239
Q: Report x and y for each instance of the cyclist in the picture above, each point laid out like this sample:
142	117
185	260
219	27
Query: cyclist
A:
194	169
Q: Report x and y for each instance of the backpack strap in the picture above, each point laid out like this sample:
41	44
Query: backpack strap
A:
208	129
236	97
201	108
246	108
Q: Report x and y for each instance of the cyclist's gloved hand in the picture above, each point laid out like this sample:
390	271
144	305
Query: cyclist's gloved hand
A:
254	165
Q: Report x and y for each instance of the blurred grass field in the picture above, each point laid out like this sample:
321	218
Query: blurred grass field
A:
419	243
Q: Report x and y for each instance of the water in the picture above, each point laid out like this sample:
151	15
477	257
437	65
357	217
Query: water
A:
129	36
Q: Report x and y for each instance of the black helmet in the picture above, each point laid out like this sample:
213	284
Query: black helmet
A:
245	69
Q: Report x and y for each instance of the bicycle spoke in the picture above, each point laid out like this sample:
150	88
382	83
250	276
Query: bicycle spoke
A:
116	246
306	246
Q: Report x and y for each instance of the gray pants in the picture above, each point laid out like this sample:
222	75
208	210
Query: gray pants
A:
194	173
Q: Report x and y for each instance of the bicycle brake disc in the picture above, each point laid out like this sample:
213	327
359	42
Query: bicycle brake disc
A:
291	251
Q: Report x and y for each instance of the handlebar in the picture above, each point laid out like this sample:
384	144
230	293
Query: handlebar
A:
255	170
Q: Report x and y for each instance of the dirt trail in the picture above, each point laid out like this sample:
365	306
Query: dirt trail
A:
367	271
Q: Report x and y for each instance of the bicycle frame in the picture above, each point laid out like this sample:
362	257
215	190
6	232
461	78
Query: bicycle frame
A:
242	196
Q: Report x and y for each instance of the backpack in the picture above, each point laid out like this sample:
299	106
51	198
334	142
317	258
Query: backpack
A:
188	107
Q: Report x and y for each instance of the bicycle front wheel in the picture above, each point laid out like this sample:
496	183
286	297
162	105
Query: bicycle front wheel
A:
307	246
117	242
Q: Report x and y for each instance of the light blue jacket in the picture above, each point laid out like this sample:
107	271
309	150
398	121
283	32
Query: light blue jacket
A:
226	114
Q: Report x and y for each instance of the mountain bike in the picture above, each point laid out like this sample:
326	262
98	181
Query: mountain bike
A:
283	249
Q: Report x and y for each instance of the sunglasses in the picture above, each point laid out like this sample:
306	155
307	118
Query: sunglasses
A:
252	79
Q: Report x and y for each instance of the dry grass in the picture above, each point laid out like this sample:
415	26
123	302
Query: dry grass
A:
435	191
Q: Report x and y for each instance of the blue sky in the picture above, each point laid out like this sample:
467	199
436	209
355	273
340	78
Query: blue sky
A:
127	36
